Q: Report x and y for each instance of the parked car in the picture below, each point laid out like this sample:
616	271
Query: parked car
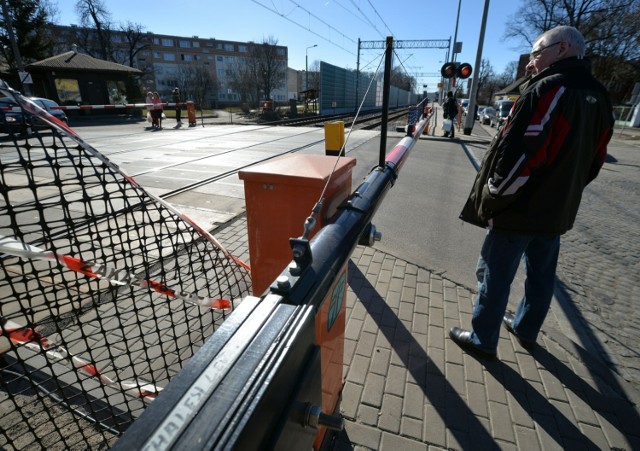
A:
14	122
502	109
465	105
10	121
487	113
479	111
49	105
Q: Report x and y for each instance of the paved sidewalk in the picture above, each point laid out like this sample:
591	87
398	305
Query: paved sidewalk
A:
408	387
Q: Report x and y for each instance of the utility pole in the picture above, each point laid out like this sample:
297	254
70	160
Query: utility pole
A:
471	111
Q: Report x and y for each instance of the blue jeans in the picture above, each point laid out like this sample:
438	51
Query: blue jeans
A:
497	266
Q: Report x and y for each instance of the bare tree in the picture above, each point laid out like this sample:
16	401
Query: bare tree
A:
95	37
314	76
401	79
611	29
195	82
268	66
136	40
243	80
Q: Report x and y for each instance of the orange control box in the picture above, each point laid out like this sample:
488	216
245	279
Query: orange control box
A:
279	196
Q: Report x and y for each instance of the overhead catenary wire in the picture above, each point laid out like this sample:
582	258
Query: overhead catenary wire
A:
324	38
380	17
367	18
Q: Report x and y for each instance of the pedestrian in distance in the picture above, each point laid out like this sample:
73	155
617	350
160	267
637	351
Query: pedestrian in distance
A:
176	99
149	103
157	110
529	188
450	110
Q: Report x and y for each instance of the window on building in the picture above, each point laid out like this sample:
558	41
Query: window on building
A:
156	41
68	91
117	92
218	58
280	52
229	47
195	44
219	45
184	57
167	42
184	44
157	55
169	56
243	48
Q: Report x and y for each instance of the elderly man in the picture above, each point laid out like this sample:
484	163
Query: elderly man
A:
529	188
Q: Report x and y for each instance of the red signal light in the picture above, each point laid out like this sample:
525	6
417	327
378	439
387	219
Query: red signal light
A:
464	70
448	70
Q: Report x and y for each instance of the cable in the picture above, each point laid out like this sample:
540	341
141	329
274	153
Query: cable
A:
309	30
365	16
376	11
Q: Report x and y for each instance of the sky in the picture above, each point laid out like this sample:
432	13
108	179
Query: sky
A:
333	27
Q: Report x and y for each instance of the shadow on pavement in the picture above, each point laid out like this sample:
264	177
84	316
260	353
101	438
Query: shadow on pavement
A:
590	349
460	421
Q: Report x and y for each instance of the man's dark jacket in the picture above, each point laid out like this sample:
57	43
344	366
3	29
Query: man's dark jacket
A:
552	145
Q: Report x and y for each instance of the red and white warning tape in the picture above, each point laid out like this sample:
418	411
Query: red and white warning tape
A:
29	338
104	107
115	276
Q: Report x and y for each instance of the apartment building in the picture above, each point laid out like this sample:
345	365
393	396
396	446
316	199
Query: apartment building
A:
163	60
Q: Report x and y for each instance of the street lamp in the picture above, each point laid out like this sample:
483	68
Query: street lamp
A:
306	66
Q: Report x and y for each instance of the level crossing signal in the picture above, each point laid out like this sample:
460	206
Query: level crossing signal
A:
451	70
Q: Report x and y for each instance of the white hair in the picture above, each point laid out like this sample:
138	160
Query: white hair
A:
568	34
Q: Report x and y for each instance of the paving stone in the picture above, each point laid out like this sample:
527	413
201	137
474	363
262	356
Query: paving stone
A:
501	422
553	387
393	442
373	390
368	415
396	380
413	401
351	394
477	399
363	435
366	344
410	428
358	370
391	413
434	427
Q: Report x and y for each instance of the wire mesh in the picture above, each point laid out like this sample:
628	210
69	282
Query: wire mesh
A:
106	291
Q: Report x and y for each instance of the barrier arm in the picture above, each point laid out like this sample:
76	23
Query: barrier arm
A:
256	383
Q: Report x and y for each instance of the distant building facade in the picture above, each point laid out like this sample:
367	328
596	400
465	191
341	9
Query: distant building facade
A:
162	58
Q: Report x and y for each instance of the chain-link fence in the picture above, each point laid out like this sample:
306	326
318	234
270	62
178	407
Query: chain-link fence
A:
106	291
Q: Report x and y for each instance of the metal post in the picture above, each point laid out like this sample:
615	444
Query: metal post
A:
455	34
355	108
306	66
385	99
471	112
